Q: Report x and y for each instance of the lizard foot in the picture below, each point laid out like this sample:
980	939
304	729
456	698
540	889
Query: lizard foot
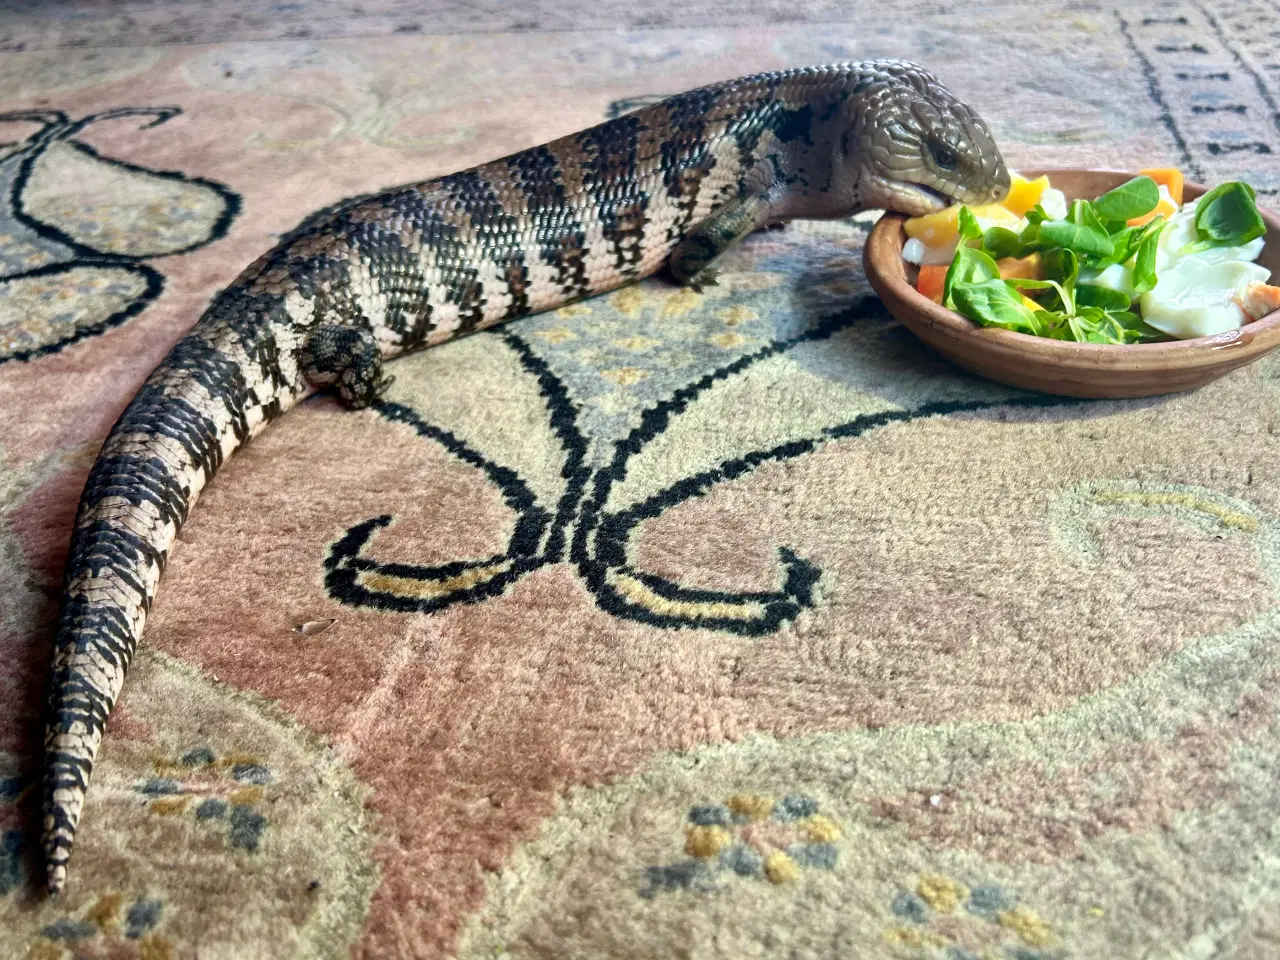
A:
706	277
347	359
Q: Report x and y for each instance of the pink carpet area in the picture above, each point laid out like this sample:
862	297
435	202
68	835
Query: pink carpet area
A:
728	624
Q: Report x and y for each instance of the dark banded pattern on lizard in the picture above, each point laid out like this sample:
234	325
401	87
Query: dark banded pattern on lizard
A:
675	183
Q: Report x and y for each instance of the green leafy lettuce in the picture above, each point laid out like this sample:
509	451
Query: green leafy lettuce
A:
1094	235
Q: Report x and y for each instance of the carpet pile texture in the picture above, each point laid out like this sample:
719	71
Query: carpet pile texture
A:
733	624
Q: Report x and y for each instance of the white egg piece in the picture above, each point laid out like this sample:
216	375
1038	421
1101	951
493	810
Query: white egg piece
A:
1054	202
915	251
1195	297
1118	277
1181	232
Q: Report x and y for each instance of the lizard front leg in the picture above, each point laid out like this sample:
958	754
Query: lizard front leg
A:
347	359
690	261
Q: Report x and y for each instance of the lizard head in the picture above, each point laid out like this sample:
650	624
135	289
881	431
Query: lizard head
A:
916	147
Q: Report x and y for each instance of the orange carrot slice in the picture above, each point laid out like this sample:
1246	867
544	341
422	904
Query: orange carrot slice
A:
1027	268
1170	177
931	279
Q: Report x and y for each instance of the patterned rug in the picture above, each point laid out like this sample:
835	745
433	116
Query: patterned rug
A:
732	624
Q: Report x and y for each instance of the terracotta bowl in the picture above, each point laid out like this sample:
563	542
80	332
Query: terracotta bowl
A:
1065	368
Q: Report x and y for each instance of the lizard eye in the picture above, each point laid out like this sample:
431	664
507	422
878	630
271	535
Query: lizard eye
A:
944	157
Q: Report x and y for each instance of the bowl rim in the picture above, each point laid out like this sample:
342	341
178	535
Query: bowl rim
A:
882	257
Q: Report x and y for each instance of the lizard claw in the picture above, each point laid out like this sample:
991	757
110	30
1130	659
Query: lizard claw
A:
707	277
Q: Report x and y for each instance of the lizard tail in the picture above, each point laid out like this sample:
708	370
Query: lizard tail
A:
217	387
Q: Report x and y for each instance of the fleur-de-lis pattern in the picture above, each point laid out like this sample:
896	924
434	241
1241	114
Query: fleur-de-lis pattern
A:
591	510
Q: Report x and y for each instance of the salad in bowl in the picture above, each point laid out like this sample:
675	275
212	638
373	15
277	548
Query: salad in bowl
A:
1136	264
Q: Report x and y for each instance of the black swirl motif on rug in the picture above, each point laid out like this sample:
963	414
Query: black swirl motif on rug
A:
78	230
581	529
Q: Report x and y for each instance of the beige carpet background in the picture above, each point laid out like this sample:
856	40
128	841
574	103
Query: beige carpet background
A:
732	624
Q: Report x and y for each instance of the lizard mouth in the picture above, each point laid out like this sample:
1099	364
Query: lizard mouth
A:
916	199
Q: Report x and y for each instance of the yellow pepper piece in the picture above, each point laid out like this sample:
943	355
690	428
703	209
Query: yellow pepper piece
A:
942	228
1024	194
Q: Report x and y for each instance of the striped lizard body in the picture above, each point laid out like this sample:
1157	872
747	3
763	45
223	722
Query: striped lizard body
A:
673	184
